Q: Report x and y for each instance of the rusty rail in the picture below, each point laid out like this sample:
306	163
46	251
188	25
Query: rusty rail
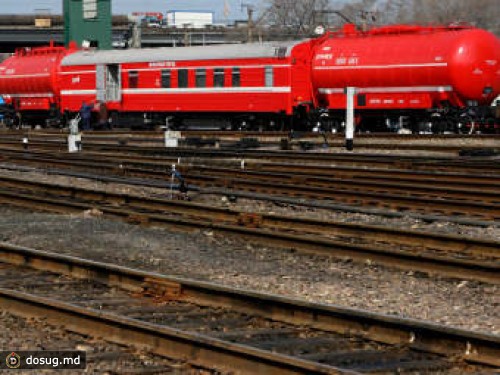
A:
483	203
454	256
454	344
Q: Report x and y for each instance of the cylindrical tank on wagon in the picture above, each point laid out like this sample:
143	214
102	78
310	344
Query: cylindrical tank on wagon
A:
31	71
475	65
463	61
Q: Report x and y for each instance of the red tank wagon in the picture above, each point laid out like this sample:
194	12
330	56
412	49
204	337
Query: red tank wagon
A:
30	81
419	72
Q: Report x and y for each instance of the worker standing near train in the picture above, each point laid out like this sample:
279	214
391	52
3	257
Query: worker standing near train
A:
86	114
103	115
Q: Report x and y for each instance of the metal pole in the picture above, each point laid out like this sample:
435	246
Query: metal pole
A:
172	177
349	130
250	11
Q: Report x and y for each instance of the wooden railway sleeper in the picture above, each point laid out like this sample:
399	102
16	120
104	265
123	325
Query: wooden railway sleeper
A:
138	219
250	220
161	290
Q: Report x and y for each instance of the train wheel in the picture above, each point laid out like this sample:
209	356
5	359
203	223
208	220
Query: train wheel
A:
462	127
438	126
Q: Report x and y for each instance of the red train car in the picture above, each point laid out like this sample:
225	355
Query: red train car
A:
29	81
419	72
432	78
243	84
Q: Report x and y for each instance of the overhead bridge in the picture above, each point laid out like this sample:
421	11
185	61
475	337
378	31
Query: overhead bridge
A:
15	37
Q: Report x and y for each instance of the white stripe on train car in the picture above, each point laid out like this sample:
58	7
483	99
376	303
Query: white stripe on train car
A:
24	75
79	72
30	95
389	66
211	90
78	92
380	90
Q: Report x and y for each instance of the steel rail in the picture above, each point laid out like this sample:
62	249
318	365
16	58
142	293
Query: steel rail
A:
239	133
485	190
268	139
490	193
469	165
195	349
121	178
152	168
316	175
330	228
451	201
430	204
455	344
286	232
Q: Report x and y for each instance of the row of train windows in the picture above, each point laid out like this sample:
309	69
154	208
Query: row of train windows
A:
201	77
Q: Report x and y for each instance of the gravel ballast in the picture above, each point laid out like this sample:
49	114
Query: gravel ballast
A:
19	334
231	261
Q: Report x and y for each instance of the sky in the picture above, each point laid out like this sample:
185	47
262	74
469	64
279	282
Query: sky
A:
129	6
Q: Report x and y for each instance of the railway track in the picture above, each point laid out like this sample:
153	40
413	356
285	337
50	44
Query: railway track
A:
229	329
146	166
155	134
433	195
452	256
142	153
238	141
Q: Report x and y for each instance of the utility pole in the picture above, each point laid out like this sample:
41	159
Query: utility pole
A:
250	10
136	35
135	31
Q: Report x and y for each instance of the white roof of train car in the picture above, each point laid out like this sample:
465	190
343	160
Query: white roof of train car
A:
220	52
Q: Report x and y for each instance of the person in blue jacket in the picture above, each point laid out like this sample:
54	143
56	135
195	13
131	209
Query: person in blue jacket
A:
86	115
1	102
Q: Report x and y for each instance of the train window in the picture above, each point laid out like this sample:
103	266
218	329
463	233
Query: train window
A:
361	100
219	77
269	76
201	78
183	78
236	77
133	79
166	79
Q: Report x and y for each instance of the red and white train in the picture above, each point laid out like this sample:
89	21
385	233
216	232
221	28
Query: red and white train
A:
443	77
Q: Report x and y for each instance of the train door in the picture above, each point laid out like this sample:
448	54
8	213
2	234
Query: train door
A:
108	83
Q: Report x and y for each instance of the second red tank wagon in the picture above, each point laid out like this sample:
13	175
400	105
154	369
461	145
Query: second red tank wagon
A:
241	82
408	70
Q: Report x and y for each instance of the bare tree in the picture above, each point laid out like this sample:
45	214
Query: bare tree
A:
361	11
481	13
299	17
395	11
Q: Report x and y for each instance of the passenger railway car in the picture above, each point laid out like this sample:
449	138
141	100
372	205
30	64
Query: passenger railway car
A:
425	78
240	83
